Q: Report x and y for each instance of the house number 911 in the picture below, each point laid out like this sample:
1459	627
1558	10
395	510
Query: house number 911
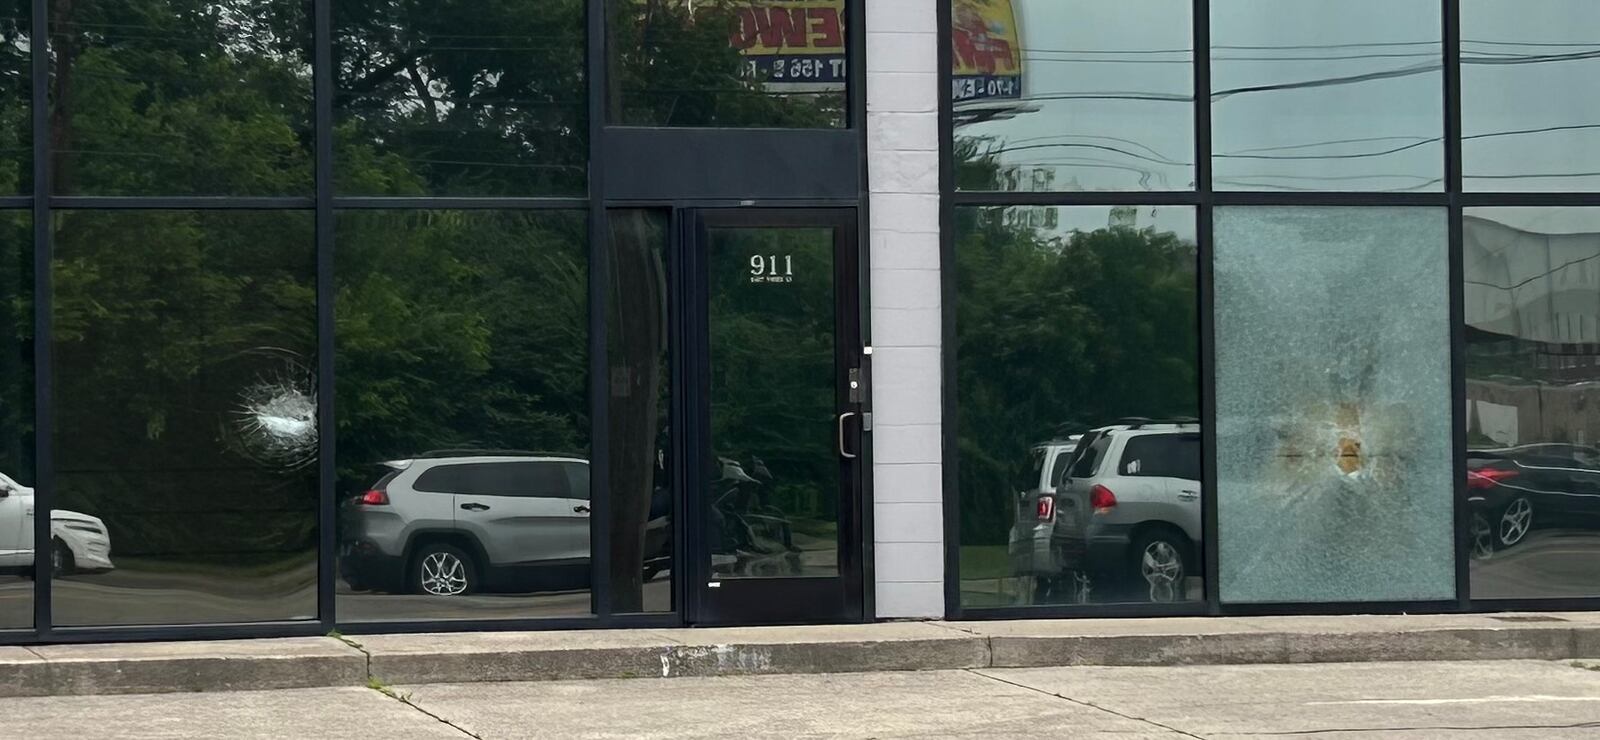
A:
770	269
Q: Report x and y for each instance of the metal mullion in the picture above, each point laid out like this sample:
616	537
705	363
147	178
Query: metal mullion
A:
43	402
327	447
1075	198
599	362
1209	520
1200	28
1341	198
17	202
1072	611
1458	412
175	203
949	413
1451	35
1211	584
1559	200
496	203
856	62
545	624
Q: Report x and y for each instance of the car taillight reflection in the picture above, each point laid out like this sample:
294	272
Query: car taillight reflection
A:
1101	499
1488	477
1046	508
375	497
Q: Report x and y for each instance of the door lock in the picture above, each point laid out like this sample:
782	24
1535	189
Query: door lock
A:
855	385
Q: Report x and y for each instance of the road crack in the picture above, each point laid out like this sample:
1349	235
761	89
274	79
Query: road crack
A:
1089	704
387	690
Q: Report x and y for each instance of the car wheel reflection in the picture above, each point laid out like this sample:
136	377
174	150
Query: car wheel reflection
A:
60	558
1161	566
1515	521
443	571
1482	537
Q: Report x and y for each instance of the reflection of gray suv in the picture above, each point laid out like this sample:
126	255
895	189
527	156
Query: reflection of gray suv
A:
1126	511
457	524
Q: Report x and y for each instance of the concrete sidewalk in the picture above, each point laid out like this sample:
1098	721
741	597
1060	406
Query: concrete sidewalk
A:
420	659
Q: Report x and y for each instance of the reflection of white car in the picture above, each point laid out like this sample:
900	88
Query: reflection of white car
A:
78	542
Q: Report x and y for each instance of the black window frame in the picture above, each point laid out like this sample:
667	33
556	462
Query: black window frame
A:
827	169
1205	199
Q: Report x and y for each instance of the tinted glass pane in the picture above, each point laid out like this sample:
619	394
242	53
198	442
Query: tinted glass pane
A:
775	484
1333	405
642	462
728	63
1071	320
180	97
461	98
16	114
544	478
1073	95
185	416
1527	117
462	338
16	419
1532	311
1326	95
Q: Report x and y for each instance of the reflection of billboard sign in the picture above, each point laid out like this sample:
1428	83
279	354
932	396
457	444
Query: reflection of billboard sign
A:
986	63
794	45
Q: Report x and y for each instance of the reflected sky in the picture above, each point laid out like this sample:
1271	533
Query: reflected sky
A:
1526	122
1306	96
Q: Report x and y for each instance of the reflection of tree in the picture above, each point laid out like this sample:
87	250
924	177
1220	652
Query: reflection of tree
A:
462	97
16	347
673	66
637	340
1085	327
15	84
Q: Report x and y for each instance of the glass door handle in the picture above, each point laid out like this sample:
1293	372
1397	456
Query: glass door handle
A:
846	454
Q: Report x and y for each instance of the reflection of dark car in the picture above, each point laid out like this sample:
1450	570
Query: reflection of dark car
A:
459	523
1510	490
1125	513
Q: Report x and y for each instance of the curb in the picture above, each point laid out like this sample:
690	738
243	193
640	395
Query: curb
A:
383	660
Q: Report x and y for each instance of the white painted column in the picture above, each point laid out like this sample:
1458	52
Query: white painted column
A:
903	178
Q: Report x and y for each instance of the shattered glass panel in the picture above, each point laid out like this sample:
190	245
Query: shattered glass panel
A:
1333	405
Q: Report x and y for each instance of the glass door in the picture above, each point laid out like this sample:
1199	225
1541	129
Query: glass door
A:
777	499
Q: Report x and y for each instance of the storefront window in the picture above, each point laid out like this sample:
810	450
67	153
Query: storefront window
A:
1527	121
16	112
1075	95
1532	313
462	364
642	491
1332	355
461	99
184	347
16	419
181	97
1310	95
1078	387
729	63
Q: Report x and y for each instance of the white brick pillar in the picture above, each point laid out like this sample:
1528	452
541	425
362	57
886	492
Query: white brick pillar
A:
903	177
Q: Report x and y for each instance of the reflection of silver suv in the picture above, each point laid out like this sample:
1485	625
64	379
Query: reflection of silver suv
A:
1126	511
456	524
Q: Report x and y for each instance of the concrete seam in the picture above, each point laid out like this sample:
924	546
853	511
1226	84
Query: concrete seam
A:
358	647
664	636
35	653
406	700
1089	704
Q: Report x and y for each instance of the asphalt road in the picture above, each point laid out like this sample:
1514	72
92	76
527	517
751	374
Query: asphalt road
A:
1511	699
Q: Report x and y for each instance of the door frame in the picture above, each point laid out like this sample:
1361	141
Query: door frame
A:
775	600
